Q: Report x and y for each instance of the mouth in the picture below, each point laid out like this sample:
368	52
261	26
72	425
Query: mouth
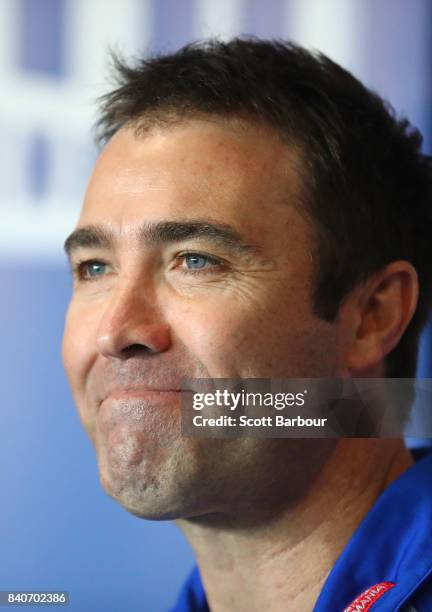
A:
140	392
139	404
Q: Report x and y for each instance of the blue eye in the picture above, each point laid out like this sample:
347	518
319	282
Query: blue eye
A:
199	261
88	270
196	262
95	268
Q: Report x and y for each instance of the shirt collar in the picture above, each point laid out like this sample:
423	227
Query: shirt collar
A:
392	544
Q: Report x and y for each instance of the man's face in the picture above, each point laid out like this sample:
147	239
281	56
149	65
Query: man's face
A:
192	261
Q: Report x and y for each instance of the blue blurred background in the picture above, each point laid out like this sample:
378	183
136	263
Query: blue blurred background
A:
58	529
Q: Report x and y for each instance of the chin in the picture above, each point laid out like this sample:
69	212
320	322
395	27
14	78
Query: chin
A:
151	507
147	498
152	481
155	514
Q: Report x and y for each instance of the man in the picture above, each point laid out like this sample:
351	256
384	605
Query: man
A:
256	212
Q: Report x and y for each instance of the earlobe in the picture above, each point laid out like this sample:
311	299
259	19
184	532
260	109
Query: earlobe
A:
384	305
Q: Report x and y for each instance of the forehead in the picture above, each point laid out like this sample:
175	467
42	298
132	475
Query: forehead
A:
228	171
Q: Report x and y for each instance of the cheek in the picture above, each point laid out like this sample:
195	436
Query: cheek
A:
276	337
206	332
233	338
78	347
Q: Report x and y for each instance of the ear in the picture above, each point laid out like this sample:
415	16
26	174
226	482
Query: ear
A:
380	311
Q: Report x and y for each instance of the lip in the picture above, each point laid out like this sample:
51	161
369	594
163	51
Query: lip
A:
141	405
141	393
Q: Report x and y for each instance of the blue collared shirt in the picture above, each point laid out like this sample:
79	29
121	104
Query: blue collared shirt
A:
392	546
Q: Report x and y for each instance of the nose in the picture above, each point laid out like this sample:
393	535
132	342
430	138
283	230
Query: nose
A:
132	323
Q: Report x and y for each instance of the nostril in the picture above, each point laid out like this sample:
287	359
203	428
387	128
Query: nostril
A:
124	339
136	349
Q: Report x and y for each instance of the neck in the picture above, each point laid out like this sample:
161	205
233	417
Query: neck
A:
253	558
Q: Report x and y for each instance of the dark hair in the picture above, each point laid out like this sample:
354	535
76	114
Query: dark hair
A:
368	187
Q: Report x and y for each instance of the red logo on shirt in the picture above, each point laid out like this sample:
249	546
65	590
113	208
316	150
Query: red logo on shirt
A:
366	600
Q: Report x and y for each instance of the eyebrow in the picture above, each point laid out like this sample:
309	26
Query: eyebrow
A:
162	232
